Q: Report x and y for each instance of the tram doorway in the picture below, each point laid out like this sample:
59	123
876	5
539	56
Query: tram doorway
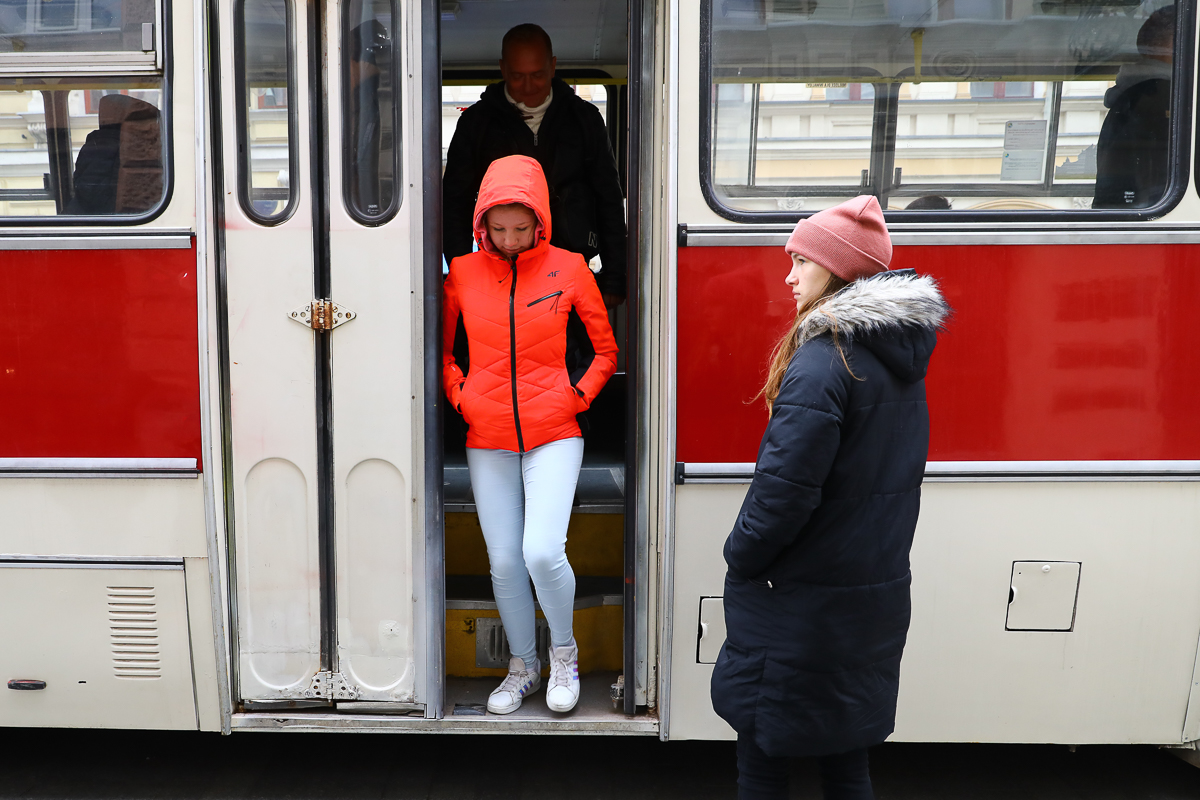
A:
591	46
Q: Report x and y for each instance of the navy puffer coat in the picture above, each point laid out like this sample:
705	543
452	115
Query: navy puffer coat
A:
817	593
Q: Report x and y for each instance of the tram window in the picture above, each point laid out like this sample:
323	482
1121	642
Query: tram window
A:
81	148
372	110
1045	106
74	26
266	120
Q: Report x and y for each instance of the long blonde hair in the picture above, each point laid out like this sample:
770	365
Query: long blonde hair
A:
786	347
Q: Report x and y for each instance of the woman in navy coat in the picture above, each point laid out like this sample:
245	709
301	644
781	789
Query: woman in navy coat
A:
817	592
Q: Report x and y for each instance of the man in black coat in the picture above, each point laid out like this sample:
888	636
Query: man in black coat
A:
532	113
1133	149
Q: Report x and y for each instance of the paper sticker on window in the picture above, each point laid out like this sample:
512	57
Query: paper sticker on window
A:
1024	150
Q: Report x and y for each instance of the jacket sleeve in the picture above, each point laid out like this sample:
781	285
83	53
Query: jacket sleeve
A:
610	203
795	458
452	376
459	187
590	306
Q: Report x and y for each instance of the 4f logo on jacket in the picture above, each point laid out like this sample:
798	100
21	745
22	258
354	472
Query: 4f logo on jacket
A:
552	274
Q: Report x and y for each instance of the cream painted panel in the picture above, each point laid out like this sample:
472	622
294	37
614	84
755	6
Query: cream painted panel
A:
704	514
102	517
377	360
1123	675
279	617
111	645
181	208
375	634
269	272
203	643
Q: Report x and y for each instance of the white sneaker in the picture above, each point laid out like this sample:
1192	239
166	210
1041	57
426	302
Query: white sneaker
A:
520	681
562	692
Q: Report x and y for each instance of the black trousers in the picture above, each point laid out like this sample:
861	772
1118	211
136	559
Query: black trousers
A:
762	777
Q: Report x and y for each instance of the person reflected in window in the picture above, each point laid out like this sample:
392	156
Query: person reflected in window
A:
929	202
119	168
369	45
1132	152
533	113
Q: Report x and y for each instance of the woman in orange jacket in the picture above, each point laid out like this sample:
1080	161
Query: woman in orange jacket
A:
524	447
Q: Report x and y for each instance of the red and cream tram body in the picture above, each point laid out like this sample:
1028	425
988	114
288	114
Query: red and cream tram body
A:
234	496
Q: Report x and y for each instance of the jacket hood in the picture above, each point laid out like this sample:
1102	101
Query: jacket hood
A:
1147	69
896	315
513	179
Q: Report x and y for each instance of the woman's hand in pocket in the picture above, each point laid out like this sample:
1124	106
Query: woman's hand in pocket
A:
581	403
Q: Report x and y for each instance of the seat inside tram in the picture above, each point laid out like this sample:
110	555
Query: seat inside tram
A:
591	45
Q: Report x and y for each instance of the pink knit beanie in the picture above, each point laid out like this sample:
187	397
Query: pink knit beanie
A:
850	240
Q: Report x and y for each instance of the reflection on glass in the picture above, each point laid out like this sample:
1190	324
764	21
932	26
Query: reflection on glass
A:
73	26
97	150
971	104
268	135
371	93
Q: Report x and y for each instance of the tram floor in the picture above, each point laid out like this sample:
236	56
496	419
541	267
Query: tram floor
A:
114	765
466	698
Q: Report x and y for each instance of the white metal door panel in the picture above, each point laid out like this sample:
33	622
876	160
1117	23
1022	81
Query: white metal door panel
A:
269	272
376	366
110	643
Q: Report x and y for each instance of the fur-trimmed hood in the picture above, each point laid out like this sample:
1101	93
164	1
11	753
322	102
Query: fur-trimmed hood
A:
896	315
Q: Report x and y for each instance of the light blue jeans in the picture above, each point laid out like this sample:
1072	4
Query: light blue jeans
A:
524	504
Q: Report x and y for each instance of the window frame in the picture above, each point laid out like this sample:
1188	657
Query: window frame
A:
389	213
244	172
1181	130
100	63
113	72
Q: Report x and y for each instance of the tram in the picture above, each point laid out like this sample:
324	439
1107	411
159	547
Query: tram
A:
234	498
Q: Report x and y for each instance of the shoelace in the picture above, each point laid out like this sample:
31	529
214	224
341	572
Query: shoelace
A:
559	672
512	682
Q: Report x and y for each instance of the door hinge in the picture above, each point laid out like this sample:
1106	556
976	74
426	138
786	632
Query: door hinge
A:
331	686
616	692
322	315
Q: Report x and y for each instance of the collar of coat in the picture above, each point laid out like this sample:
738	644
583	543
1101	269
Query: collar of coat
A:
870	305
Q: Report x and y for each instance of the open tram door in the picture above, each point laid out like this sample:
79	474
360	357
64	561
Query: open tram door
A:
600	50
320	196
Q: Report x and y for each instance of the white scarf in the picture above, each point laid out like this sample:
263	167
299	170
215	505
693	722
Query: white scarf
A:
532	116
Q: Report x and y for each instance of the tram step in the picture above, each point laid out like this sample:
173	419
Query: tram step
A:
475	642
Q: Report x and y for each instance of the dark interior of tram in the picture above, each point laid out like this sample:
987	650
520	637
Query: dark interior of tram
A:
590	40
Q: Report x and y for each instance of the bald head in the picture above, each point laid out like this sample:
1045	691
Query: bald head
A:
527	63
1156	38
526	36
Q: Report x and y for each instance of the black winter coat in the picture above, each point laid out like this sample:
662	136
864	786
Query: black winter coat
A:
1134	146
587	205
817	592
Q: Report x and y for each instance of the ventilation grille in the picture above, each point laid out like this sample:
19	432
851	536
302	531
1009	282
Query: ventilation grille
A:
491	645
133	631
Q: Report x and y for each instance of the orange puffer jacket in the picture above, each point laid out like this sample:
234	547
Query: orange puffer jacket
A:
518	395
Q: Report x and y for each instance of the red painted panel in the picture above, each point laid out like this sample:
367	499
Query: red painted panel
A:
1055	352
98	354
